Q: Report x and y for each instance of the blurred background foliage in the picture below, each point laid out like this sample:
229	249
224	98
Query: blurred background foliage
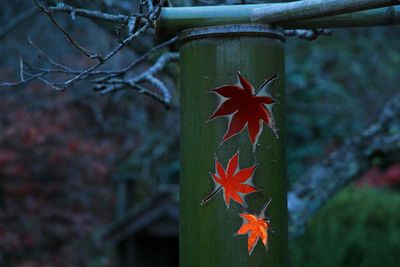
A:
358	227
61	152
336	87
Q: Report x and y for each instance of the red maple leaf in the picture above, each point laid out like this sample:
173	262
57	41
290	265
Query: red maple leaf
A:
245	107
234	182
256	227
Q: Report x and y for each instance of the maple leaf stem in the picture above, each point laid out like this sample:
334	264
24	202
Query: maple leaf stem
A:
264	209
209	196
267	82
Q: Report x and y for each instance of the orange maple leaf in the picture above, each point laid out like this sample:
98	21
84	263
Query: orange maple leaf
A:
234	182
256	227
244	107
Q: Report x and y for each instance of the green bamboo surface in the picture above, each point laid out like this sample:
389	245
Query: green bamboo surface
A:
207	232
176	19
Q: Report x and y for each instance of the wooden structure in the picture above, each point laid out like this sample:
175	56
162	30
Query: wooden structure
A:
144	231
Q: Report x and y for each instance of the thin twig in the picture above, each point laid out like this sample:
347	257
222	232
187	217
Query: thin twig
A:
309	35
153	95
107	82
21	69
48	83
94	14
112	85
62	69
66	34
137	61
71	81
45	57
14	84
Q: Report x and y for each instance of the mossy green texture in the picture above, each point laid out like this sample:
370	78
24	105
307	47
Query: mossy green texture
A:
207	233
358	228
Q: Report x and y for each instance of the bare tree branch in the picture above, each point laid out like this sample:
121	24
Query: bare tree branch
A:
325	179
84	73
137	61
22	82
46	58
130	22
111	84
66	34
107	80
308	35
93	14
155	96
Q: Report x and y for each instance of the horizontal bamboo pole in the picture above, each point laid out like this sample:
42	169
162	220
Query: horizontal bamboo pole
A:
374	17
308	9
175	19
172	20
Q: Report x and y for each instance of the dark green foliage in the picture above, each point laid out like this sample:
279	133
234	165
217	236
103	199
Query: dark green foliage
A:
358	228
336	86
153	166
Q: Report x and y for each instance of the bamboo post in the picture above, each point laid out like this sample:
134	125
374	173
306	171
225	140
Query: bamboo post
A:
210	57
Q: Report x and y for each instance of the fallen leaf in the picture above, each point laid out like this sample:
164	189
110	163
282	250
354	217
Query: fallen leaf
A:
245	108
234	182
